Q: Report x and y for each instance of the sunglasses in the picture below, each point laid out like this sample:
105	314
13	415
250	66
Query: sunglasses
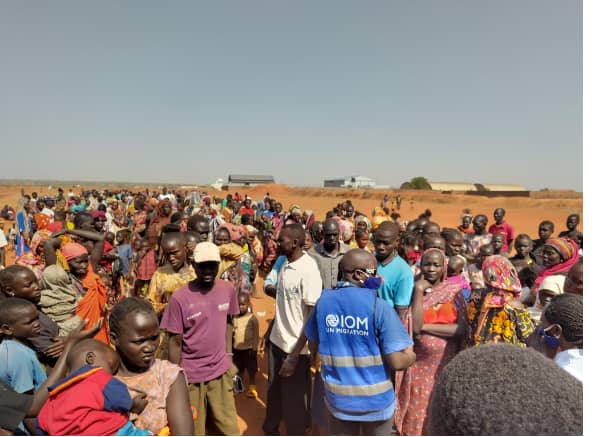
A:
369	272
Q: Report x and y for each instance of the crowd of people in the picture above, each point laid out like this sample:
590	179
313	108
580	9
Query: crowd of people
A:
130	313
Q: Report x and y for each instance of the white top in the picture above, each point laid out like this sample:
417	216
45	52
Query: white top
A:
3	242
48	212
299	285
571	360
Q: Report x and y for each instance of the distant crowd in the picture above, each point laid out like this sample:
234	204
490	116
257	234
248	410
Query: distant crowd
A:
131	313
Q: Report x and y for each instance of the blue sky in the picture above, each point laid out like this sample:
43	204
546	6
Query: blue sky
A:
188	91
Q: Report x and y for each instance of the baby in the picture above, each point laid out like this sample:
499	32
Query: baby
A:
90	401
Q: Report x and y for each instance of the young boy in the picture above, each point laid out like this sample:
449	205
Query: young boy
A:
19	281
19	320
498	244
245	343
125	255
90	400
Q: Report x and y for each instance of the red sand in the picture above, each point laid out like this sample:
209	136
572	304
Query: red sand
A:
523	213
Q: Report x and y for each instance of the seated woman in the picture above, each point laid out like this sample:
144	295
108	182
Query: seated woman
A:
134	332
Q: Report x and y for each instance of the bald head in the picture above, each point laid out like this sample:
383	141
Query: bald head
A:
356	259
330	233
93	353
387	228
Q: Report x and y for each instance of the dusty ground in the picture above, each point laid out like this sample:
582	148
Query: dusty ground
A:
523	213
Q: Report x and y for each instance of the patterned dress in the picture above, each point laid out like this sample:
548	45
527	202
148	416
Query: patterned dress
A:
156	383
444	305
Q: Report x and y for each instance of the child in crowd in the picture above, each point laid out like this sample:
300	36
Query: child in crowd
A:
454	274
90	401
144	266
19	369
21	282
245	343
475	272
125	257
498	244
362	238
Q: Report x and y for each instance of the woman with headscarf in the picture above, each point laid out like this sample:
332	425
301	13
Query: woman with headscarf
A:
438	317
559	255
89	289
161	217
499	316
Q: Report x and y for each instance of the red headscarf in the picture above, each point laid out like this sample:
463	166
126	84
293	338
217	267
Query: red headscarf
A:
568	251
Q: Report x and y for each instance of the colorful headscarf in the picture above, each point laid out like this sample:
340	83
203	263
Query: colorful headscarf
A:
444	260
502	277
72	250
569	255
377	219
500	274
38	238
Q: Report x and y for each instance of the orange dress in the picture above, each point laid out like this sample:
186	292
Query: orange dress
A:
92	305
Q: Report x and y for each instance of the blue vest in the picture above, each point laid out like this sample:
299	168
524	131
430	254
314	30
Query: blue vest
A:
353	372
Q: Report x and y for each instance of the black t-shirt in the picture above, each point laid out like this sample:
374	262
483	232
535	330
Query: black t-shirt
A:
13	407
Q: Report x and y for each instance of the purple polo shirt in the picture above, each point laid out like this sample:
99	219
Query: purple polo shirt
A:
201	318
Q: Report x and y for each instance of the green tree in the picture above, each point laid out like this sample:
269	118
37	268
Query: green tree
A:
418	183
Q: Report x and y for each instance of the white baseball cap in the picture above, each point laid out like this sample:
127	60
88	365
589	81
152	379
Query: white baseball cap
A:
205	252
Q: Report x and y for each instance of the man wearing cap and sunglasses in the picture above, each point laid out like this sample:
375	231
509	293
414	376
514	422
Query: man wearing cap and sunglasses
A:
196	319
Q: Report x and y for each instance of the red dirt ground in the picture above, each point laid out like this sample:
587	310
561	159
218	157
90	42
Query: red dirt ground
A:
523	213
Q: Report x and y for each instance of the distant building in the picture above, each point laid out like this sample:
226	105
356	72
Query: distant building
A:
469	186
350	182
452	186
248	180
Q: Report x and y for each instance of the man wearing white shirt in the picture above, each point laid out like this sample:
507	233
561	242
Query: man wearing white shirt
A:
298	288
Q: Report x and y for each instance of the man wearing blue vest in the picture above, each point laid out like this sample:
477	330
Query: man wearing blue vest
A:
359	338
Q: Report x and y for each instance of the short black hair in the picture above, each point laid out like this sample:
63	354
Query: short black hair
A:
8	307
361	233
496	389
8	275
191	235
297	232
566	310
81	218
125	307
548	223
194	220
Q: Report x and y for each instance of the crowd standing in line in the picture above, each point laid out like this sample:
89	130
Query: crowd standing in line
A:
131	314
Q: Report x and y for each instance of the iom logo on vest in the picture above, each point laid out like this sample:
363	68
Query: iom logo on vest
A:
346	324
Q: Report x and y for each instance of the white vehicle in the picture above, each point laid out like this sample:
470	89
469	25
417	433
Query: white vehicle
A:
217	185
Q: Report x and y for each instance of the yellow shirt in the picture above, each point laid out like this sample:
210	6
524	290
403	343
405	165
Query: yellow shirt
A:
165	282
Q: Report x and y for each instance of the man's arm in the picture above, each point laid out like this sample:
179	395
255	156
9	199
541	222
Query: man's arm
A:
290	362
401	359
174	348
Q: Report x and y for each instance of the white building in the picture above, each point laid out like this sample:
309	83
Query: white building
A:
351	182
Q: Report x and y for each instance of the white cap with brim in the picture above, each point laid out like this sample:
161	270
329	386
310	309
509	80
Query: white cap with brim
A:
206	252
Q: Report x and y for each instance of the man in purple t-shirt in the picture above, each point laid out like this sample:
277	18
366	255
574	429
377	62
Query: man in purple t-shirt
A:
196	319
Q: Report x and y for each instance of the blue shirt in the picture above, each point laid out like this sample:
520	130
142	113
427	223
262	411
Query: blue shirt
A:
19	367
397	287
125	254
354	328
